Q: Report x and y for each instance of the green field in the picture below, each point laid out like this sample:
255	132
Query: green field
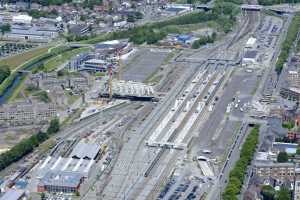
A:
17	60
58	60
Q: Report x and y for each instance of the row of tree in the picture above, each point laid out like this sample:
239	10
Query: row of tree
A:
288	42
223	14
237	174
204	40
39	13
51	2
27	145
148	35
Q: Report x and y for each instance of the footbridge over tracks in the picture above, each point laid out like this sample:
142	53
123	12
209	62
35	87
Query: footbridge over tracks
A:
279	9
79	45
205	7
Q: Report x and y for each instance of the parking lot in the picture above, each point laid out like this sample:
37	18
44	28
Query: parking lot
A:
7	49
144	64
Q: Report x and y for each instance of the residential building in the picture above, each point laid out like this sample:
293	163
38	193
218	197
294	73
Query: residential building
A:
293	78
291	86
79	29
297	184
289	148
24	113
279	171
291	93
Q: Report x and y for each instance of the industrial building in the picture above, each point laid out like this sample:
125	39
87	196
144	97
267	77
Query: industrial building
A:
111	47
76	62
28	33
178	8
13	194
80	166
88	62
22	19
26	113
57	181
65	174
85	150
250	57
128	90
106	55
95	65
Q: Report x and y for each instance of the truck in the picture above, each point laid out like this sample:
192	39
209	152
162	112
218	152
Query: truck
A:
210	108
187	106
200	107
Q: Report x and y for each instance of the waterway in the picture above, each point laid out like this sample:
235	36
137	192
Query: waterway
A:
9	90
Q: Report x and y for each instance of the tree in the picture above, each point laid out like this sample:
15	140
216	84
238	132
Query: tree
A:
43	196
77	193
268	192
5	28
130	18
54	126
283	194
282	157
289	125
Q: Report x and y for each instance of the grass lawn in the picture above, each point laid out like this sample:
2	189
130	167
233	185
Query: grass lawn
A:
72	98
16	60
17	91
58	60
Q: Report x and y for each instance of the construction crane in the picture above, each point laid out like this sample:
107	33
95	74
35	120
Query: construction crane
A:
110	77
119	65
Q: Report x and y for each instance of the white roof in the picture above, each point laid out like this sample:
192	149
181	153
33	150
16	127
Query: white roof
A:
22	18
59	19
262	156
251	41
294	89
111	42
96	61
85	150
293	72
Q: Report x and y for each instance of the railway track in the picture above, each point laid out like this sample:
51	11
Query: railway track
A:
245	29
149	126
